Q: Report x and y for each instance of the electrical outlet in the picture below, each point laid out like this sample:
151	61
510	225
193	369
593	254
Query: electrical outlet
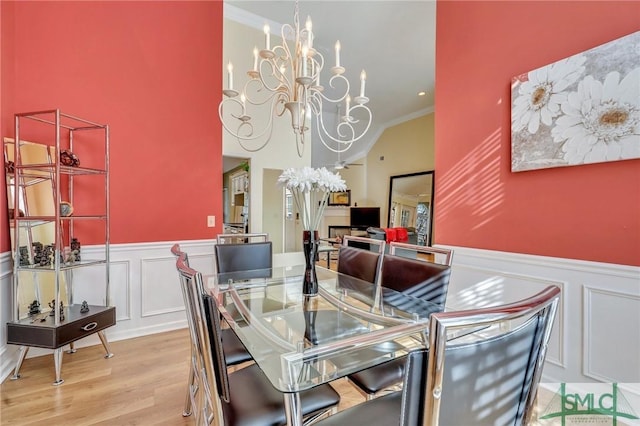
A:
211	221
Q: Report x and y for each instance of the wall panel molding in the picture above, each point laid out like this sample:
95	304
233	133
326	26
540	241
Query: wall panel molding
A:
575	342
154	299
607	325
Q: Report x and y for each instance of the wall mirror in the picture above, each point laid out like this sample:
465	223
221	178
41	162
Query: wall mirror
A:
411	205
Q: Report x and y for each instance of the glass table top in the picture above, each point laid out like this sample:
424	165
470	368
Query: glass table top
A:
300	342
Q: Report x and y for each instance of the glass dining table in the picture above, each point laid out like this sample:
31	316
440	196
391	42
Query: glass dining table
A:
300	342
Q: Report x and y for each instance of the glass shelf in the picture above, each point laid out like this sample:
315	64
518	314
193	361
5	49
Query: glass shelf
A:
63	266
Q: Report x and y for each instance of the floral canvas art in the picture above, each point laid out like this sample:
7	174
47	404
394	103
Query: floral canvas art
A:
579	110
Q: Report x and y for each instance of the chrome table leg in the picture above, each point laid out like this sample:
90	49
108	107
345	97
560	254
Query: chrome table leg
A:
105	343
293	409
57	360
21	357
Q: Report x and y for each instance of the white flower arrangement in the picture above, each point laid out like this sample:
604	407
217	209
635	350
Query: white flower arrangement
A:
309	187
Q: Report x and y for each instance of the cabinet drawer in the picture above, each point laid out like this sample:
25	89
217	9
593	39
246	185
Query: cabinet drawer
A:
75	326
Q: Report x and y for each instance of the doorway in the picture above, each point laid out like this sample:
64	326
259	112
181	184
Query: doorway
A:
236	190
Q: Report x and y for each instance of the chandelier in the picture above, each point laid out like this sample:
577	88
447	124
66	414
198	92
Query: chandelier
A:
288	78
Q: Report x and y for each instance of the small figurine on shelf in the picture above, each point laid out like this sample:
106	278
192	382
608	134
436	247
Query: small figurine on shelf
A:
9	167
84	308
68	158
24	256
38	254
34	308
75	249
12	213
49	249
52	305
43	255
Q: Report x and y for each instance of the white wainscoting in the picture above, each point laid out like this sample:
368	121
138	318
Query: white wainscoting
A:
7	360
595	337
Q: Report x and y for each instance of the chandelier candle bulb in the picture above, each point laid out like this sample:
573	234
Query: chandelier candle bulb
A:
309	33
255	58
363	79
305	59
337	53
348	102
230	75
267	37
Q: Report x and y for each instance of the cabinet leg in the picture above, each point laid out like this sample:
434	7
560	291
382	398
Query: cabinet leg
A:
57	360
105	343
21	356
72	349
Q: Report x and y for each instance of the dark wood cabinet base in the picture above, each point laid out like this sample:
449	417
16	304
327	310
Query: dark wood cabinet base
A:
44	334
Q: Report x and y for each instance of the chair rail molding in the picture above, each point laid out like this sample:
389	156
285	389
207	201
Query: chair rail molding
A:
144	280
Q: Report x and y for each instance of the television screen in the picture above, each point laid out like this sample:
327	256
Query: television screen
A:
363	217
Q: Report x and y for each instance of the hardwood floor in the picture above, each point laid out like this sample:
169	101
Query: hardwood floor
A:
143	384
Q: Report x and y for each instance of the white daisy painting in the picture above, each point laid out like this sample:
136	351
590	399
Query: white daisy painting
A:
580	110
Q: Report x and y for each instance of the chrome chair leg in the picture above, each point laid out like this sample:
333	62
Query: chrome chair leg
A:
190	389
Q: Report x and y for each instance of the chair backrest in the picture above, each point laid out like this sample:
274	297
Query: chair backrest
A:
359	263
177	251
431	254
207	331
243	257
425	280
364	243
490	377
184	259
241	238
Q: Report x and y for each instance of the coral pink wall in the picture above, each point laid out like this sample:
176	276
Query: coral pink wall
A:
589	212
149	69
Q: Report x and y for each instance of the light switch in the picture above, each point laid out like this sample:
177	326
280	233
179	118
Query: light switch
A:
211	221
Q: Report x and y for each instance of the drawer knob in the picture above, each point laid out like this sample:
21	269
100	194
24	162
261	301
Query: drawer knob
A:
89	326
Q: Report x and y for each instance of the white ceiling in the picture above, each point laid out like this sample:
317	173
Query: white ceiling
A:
393	40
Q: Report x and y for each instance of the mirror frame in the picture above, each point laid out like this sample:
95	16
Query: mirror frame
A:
396	178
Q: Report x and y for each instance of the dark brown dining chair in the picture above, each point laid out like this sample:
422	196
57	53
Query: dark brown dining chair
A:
360	261
487	378
234	350
422	280
244	257
244	397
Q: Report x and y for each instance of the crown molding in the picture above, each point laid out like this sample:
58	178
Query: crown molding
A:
244	17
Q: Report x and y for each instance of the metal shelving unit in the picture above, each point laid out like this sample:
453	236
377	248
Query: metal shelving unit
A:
39	183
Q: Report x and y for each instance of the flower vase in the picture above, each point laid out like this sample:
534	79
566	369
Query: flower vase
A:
310	248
